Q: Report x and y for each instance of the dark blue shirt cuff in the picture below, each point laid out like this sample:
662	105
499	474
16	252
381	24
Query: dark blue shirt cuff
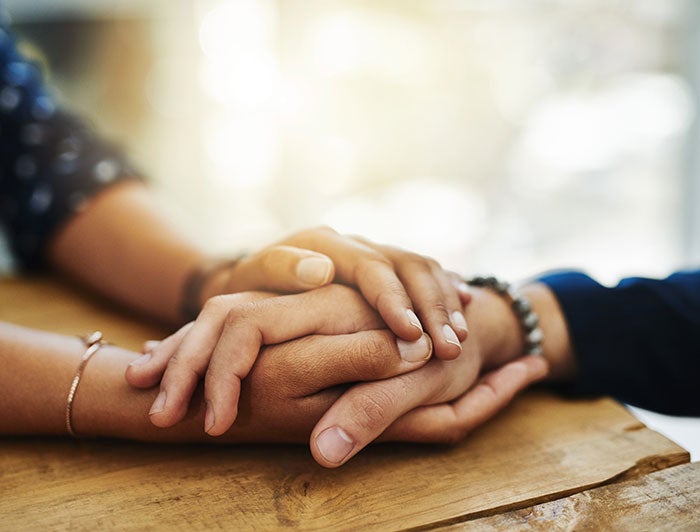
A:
638	341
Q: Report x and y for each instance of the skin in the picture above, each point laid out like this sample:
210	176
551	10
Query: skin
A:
297	390
290	388
223	343
445	400
123	226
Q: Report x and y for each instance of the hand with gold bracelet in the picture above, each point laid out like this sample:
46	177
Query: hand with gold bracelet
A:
291	387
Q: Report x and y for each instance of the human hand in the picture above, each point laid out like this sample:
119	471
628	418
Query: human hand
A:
395	410
440	402
294	384
408	290
224	341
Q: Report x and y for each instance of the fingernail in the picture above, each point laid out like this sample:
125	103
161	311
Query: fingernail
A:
150	345
209	418
414	351
334	444
414	319
158	404
450	336
140	361
458	320
314	270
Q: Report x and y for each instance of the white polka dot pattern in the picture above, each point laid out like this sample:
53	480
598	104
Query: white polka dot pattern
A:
51	164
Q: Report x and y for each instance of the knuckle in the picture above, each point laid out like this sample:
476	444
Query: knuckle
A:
232	318
374	409
370	263
415	258
412	260
215	304
339	292
454	434
432	263
239	313
217	374
363	240
180	365
325	229
269	258
375	351
440	306
222	303
392	291
389	297
313	234
487	389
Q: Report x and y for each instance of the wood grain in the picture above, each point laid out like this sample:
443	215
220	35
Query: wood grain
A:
52	306
539	449
664	500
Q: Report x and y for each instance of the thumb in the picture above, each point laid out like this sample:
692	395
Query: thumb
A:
283	268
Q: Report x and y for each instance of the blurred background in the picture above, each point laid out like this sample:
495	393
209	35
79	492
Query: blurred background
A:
505	136
498	136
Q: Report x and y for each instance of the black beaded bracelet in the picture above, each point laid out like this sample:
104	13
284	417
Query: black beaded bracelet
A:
529	321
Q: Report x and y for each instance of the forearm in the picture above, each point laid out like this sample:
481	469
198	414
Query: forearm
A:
123	247
557	347
38	368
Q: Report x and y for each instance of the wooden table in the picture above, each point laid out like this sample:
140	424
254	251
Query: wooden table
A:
545	463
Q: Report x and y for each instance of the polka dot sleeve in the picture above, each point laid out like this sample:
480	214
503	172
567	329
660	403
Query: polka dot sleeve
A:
51	163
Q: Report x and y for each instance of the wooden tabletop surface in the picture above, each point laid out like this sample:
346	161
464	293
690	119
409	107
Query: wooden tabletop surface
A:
540	458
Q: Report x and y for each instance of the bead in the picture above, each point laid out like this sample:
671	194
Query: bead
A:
530	320
17	73
9	99
106	171
523	309
521	306
535	336
501	287
41	199
535	350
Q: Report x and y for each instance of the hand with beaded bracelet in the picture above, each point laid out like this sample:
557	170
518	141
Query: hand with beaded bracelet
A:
293	384
223	342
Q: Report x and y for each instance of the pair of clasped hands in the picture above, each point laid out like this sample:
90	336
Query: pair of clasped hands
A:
334	337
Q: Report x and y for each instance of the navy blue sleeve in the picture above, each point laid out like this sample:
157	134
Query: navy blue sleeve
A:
51	163
638	342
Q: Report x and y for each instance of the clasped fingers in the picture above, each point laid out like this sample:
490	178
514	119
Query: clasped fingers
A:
222	345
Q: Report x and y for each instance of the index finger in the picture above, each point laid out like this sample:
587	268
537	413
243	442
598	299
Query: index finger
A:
311	364
451	422
371	272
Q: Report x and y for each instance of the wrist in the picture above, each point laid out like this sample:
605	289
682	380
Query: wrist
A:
106	406
208	279
557	347
38	361
494	327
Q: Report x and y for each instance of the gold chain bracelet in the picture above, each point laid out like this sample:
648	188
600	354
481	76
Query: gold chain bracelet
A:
93	342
